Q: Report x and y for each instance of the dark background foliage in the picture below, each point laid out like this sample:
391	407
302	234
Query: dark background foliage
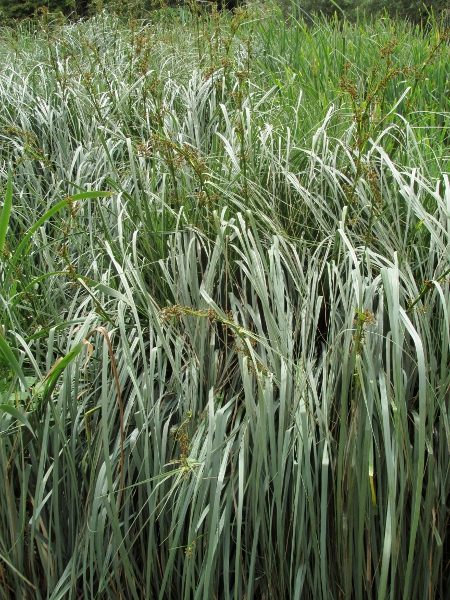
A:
414	10
14	9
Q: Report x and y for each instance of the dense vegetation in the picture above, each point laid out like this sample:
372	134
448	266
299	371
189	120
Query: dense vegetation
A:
415	11
11	9
225	298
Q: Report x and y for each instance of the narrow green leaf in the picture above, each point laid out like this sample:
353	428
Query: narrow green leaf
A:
5	214
52	377
13	568
13	363
20	250
17	414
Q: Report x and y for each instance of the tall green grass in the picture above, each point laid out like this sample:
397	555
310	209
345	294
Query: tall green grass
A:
230	377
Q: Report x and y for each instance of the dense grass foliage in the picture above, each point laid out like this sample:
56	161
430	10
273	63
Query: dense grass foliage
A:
11	10
224	349
416	11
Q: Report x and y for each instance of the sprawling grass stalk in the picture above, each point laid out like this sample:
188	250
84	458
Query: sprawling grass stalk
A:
229	378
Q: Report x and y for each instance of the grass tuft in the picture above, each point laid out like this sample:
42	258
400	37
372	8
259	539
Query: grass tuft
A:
224	310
